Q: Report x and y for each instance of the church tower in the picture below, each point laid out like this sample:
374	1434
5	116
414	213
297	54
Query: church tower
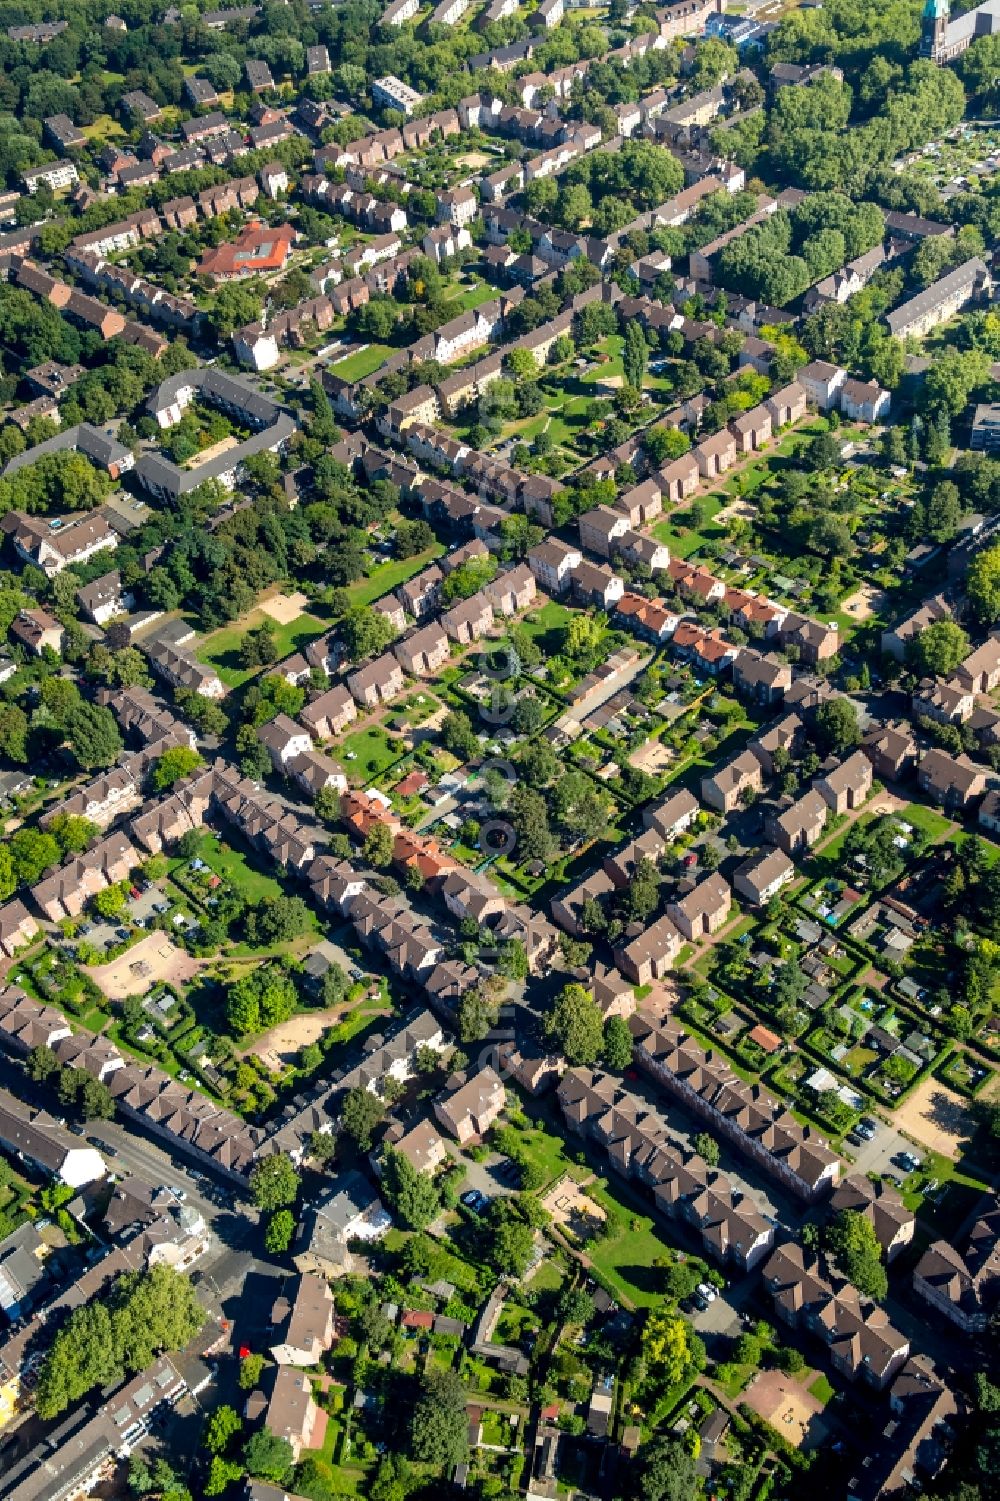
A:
934	30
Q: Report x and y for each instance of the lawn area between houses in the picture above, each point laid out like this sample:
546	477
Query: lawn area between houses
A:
385	577
626	1258
366	753
362	362
685	540
221	649
235	868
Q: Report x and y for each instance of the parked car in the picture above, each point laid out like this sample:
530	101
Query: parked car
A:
707	1291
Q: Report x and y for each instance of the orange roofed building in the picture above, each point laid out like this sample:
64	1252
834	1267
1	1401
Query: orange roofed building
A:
256	250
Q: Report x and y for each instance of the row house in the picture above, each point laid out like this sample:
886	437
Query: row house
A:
704	910
783	738
262	820
892	752
511	591
651	954
981	668
953	782
672	816
638	1145
567	908
753	1122
18	928
67	891
964	1288
760	677
860	1340
378	682
597	584
553	562
845	788
141	718
882	1206
621	864
469	620
159	825
646	617
424	652
680	478
895	641
421	595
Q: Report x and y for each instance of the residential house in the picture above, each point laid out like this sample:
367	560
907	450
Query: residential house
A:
822	383
860	1340
761	677
651	954
672	816
845	788
952	781
468	1111
881	1205
797	828
738	779
302	1322
703	910
761	877
964	1288
423	652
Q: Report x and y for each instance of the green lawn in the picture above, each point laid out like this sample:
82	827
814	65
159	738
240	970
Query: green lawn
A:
385	577
684	540
927	820
545	626
626	1258
821	1389
548	1152
235	868
362	362
221	649
370	750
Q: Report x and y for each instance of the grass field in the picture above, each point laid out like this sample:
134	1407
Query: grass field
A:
388	576
685	540
235	868
626	1259
362	362
821	1389
370	749
545	626
221	649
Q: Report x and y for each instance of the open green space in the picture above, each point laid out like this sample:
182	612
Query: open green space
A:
385	577
627	1257
683	540
234	866
221	649
367	752
362	362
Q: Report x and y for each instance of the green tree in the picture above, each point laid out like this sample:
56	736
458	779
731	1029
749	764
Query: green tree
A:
268	1457
617	1044
365	632
177	762
360	1113
221	1428
378	846
32	853
837	727
855	1248
93	736
439	1425
668	1471
410	1193
251	1367
937	649
274	1183
478	1013
279	1232
982	585
73	833
635	355
574	1023
707	1148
